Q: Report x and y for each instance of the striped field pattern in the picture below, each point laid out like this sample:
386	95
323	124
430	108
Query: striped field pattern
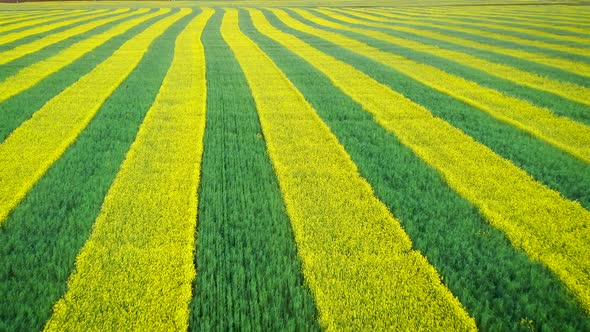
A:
298	166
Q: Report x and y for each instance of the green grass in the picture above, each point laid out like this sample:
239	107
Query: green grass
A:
248	273
497	283
40	240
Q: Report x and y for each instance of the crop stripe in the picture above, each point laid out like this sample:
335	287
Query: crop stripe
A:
561	132
18	14
31	149
357	259
496	30
544	45
356	17
41	237
538	44
472	256
567	90
136	269
571	45
31	75
536	16
46	18
501	18
506	21
246	251
426	51
567	174
14	36
507	196
22	50
33	98
26	17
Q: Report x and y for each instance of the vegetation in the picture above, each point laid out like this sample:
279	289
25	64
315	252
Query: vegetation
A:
473	257
246	248
43	235
201	166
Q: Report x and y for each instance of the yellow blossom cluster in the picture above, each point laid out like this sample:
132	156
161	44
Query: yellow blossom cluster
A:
136	270
547	226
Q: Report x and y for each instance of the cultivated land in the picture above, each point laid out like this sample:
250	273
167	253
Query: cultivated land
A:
295	165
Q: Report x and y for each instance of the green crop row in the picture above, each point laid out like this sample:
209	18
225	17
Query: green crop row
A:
350	168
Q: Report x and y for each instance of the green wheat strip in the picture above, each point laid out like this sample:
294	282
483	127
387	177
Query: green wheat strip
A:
29	150
561	132
575	67
40	20
12	37
567	90
357	259
509	198
22	50
531	41
545	17
249	274
505	20
473	257
33	74
136	270
519	14
478	27
40	240
30	15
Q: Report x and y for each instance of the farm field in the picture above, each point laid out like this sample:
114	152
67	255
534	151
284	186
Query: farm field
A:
295	166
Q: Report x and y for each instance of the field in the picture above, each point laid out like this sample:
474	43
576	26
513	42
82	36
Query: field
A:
295	166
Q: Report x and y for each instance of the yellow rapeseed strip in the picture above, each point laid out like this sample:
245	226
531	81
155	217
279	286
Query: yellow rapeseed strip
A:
136	270
31	15
547	226
562	132
17	14
31	75
31	149
557	19
560	63
41	43
39	20
567	90
14	36
531	32
357	259
531	42
493	19
444	15
543	17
